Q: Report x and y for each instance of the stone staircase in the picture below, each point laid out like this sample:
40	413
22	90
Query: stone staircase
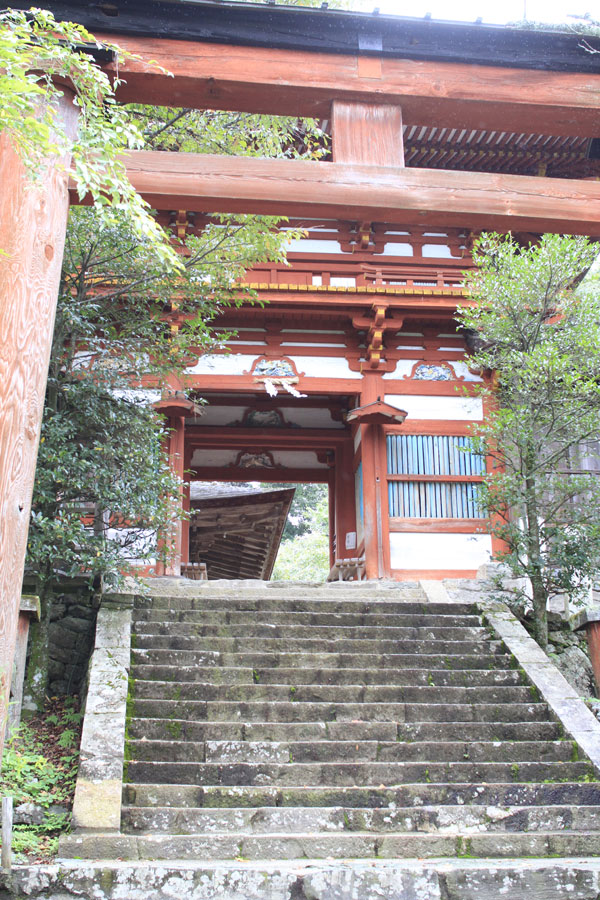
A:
341	722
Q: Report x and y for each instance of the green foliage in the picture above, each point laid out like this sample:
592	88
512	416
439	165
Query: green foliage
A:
29	776
540	337
34	771
309	511
101	462
305	555
36	53
230	133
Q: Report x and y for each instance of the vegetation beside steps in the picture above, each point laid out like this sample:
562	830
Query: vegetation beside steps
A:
39	769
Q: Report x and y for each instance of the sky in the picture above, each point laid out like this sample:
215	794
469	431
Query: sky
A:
491	11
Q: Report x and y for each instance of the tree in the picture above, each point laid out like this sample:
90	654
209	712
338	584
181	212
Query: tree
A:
305	555
36	53
536	336
103	490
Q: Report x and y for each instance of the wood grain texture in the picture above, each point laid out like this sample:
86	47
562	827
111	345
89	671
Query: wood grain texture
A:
293	82
358	192
367	134
33	219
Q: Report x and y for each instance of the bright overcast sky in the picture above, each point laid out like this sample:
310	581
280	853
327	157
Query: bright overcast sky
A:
493	11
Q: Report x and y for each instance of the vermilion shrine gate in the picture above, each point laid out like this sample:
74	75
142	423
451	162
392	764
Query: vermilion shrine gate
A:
438	130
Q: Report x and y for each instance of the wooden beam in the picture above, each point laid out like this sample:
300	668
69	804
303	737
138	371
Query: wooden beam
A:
293	82
335	191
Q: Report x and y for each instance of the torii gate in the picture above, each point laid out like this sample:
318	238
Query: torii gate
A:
364	74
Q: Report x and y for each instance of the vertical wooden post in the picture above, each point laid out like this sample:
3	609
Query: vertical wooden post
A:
29	609
366	134
7	824
33	219
373	481
345	511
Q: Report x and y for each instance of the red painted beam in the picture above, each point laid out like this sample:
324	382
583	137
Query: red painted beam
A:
384	194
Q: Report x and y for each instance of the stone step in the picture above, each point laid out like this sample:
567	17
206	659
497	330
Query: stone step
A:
184	730
227	711
283	645
332	693
328	604
380	797
229	751
325	846
239	617
426	661
407	819
350	774
326	633
297	675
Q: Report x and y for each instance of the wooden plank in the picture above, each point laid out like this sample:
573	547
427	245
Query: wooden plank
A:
7	824
374	193
367	134
294	82
32	232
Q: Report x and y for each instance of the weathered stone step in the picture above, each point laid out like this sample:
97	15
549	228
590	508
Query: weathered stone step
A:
380	797
334	693
299	659
350	751
282	645
326	633
441	819
239	617
320	846
297	675
350	774
227	711
184	730
328	604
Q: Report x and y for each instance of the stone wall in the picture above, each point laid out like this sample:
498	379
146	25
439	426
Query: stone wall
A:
71	630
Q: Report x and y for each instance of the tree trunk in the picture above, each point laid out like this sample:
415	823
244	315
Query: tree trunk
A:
535	565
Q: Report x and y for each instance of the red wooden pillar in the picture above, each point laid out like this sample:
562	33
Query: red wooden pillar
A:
345	507
33	219
376	528
176	462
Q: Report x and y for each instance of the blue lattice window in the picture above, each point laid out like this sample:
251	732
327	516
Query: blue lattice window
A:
433	477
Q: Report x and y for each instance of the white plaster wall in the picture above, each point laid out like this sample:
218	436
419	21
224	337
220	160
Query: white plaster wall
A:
462	370
411	550
324	367
357	438
223	364
144	396
417	406
403	367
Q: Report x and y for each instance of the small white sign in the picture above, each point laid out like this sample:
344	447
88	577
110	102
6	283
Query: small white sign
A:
350	540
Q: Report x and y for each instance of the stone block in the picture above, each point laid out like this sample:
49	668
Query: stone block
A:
97	806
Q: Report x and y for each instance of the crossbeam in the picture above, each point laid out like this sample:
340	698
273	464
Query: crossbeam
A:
476	200
294	82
